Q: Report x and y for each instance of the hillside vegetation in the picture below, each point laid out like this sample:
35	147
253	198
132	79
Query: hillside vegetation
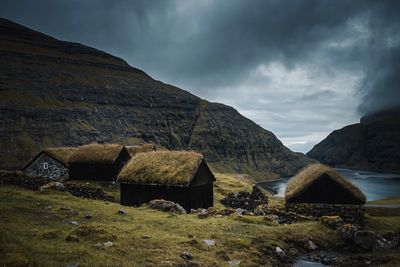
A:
35	226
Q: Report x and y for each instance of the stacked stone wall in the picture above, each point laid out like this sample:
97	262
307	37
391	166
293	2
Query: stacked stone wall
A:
349	213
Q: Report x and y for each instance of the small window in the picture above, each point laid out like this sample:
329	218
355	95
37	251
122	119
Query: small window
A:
45	165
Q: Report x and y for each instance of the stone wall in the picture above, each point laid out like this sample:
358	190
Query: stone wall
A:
349	213
54	171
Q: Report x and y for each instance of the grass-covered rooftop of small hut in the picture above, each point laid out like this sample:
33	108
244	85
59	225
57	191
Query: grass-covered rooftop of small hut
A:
96	153
133	150
62	154
161	167
310	174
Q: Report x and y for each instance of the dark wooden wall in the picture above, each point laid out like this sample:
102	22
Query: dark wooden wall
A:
98	171
188	197
326	191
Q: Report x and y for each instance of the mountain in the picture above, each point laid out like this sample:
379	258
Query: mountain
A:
372	144
56	93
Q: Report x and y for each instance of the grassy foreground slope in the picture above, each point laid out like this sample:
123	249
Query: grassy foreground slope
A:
34	226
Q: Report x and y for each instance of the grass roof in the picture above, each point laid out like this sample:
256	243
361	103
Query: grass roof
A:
306	177
96	153
161	167
61	154
133	150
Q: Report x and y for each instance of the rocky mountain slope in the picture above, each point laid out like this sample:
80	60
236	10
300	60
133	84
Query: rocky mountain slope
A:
55	93
372	144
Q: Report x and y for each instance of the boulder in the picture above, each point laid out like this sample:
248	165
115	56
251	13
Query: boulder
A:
166	206
122	212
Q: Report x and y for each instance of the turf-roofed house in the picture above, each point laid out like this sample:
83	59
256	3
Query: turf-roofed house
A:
179	176
319	190
101	162
50	163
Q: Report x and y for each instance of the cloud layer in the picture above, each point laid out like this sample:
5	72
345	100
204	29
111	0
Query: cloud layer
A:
300	69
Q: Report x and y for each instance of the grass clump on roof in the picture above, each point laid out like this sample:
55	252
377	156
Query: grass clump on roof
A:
62	154
161	167
306	177
96	153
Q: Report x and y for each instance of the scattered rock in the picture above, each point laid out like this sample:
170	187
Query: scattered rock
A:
52	185
279	252
366	239
259	211
333	222
122	212
186	256
347	231
145	236
167	206
72	238
88	216
234	262
245	200
218	216
209	242
311	245
202	213
74	223
108	244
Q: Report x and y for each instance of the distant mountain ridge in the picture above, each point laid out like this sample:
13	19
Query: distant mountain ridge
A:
55	93
372	144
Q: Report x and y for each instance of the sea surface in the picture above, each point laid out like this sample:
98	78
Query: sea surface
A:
375	185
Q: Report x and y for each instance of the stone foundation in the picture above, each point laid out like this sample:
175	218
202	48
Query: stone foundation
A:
349	213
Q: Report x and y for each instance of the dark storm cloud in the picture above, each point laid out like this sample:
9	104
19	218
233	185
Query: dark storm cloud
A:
381	87
300	68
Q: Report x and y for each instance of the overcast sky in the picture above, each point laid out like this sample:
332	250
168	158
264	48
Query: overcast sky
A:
298	68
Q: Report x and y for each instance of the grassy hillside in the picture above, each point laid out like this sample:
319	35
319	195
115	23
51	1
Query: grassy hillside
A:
34	226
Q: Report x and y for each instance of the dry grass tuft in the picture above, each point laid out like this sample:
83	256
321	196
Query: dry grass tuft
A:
308	175
104	153
161	167
133	150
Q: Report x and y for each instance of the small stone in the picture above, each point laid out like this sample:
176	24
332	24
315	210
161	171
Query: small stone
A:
234	262
108	244
191	236
311	245
218	216
88	216
203	213
72	238
74	223
145	236
279	252
48	208
122	212
209	242
186	256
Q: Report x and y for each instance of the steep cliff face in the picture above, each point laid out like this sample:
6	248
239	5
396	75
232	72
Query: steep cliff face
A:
55	93
372	144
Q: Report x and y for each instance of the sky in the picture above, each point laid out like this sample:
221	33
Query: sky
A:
299	68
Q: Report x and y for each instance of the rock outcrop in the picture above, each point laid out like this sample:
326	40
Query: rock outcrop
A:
372	144
55	93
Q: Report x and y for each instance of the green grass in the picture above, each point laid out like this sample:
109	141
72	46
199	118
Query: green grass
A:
386	201
33	232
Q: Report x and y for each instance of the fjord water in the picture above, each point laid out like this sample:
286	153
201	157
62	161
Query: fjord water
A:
375	185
